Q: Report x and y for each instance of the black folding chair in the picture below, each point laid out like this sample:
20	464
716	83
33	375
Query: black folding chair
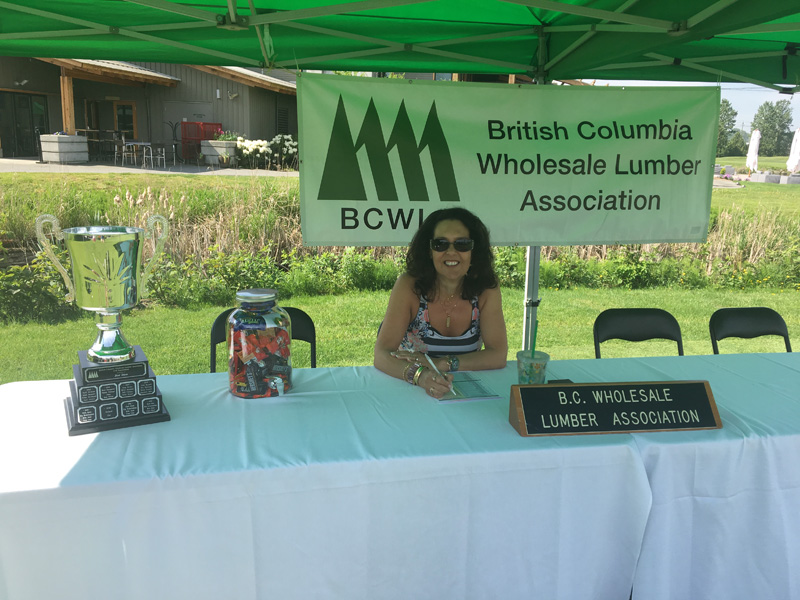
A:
302	329
748	322
636	325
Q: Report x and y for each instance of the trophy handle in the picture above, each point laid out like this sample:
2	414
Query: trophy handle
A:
48	249
149	232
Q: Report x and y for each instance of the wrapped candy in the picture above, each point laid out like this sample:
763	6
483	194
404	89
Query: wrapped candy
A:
259	346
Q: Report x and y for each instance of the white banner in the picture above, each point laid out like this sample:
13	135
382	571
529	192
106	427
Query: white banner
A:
540	165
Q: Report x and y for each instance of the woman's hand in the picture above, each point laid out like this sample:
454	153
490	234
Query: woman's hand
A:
435	385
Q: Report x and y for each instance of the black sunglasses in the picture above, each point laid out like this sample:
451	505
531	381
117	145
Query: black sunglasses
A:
461	244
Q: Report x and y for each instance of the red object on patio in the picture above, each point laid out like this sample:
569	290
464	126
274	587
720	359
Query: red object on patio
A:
192	133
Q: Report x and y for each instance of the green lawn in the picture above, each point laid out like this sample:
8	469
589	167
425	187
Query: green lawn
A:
765	197
758	196
765	163
176	340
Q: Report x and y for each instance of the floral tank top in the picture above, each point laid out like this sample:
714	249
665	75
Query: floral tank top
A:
421	336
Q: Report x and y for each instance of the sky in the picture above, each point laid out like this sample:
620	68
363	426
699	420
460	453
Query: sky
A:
744	98
747	98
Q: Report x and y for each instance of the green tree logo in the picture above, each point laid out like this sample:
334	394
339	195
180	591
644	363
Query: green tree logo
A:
342	178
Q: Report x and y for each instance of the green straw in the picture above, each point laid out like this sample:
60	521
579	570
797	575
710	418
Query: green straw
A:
533	345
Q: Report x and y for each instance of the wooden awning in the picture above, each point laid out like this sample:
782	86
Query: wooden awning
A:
104	71
114	72
250	78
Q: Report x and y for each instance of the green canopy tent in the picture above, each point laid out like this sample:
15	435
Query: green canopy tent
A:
764	55
545	39
680	40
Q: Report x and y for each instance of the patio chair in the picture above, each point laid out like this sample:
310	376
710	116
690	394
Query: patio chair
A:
160	155
128	152
147	155
302	329
119	151
636	325
747	323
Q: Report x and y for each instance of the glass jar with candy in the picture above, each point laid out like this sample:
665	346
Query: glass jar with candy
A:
259	345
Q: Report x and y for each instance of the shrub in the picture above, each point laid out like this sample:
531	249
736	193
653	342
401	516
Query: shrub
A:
630	269
568	270
242	270
279	153
213	281
253	152
35	292
312	275
358	270
183	284
284	153
510	266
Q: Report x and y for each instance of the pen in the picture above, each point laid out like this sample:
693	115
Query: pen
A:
438	372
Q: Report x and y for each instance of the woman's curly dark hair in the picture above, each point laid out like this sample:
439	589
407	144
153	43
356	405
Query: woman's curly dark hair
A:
419	263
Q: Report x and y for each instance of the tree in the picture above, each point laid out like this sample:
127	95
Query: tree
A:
727	121
774	120
736	145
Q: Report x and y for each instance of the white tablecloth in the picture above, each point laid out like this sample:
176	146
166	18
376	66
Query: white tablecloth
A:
353	486
725	520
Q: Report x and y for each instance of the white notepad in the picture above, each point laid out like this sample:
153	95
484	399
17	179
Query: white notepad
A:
468	386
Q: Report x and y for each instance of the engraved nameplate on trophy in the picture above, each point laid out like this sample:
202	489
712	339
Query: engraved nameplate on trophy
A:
91	371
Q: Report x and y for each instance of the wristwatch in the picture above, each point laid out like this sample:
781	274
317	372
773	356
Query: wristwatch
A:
452	363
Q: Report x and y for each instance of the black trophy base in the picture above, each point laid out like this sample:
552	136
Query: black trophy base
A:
124	399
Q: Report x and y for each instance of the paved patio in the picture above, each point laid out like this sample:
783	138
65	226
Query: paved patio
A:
32	165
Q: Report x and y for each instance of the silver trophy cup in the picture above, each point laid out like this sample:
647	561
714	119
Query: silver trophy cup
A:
106	277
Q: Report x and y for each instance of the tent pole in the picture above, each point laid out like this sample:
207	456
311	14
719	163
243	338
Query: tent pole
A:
534	253
532	299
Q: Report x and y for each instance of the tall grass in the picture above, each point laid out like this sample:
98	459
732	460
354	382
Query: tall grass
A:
249	214
231	213
735	235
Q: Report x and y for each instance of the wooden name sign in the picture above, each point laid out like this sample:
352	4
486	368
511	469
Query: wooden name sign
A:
575	408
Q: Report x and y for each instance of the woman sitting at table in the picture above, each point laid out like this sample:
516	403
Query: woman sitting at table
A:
446	305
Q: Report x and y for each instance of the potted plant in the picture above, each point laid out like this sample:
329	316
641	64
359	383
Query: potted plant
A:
224	141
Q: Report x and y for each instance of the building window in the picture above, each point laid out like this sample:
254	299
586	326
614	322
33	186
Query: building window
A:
23	117
125	119
91	112
283	120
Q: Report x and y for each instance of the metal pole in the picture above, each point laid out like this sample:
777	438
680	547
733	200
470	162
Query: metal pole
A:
532	300
38	141
534	253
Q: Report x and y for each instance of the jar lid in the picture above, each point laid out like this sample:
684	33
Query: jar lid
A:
256	295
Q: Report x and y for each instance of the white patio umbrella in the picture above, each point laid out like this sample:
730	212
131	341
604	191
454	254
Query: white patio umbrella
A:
793	164
752	150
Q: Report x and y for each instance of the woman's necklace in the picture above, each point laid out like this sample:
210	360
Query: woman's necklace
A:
449	306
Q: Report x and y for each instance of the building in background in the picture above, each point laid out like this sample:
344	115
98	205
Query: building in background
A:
143	101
